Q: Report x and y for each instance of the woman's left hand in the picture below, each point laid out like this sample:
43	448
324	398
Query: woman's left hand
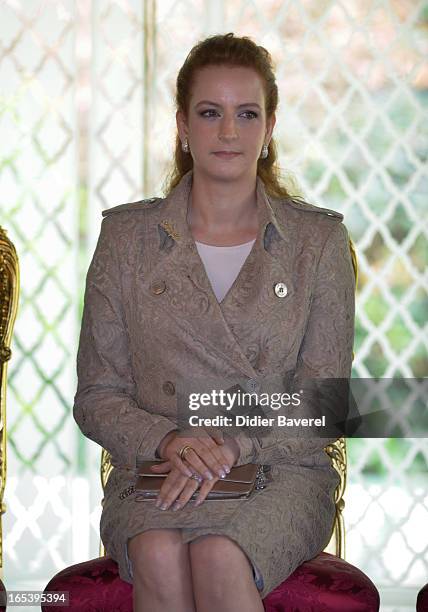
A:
229	448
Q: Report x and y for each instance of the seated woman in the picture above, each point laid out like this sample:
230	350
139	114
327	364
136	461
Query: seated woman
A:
227	277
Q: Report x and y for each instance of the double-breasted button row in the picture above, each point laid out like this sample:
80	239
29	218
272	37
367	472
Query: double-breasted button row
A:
168	387
157	287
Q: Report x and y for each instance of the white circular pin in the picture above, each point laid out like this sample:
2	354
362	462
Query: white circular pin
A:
280	289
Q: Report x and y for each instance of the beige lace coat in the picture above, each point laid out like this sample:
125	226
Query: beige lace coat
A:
151	319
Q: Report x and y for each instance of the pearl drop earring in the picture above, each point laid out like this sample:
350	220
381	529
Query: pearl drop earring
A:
185	146
265	152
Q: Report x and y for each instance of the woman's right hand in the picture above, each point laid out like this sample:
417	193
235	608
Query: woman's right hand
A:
178	488
206	458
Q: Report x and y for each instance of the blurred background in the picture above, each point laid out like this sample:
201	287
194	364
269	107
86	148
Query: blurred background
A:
87	122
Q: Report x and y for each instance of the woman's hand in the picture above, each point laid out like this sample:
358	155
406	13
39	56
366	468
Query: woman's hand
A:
179	488
175	485
206	457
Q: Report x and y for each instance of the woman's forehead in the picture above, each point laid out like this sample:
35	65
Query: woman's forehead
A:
224	82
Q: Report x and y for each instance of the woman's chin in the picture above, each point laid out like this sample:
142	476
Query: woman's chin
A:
224	171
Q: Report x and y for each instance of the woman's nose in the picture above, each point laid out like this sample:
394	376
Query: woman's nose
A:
228	128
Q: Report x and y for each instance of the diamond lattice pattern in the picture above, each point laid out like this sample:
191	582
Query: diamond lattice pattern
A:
351	129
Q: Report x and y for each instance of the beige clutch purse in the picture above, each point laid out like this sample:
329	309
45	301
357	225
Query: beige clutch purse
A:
238	484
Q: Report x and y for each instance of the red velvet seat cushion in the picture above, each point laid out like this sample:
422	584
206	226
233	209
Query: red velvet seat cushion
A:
93	586
324	584
422	601
2	588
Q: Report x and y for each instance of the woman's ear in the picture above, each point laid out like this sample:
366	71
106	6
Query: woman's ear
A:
181	121
270	124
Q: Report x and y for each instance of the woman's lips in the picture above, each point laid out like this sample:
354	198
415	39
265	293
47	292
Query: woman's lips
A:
226	155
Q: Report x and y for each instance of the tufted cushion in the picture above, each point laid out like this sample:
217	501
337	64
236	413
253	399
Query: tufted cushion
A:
324	584
422	601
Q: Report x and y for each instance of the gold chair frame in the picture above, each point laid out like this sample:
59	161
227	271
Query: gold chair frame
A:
336	451
9	296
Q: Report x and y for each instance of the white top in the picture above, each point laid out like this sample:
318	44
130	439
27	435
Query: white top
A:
223	263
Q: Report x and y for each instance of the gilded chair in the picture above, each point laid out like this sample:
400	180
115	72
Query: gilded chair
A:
327	582
9	294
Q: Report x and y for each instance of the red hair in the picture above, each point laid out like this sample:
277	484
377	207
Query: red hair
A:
229	50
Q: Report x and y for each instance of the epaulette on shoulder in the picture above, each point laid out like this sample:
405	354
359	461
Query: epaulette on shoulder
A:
300	204
140	205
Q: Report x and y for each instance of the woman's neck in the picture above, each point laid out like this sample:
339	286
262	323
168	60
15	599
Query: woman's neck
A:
222	215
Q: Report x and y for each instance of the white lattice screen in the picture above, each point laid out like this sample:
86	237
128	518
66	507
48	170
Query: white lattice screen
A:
87	122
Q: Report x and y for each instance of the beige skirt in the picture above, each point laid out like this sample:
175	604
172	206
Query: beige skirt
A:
278	527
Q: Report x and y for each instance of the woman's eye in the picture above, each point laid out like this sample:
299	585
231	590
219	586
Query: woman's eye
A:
204	113
252	114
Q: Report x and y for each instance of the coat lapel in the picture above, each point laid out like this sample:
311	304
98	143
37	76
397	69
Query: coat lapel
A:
177	279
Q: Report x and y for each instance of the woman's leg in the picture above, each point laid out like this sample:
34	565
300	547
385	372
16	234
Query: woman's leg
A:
222	576
162	574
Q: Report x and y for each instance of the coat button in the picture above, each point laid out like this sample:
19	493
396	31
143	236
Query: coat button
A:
168	387
280	289
158	287
252	385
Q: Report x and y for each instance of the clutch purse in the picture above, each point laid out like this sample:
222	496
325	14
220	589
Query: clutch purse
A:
238	484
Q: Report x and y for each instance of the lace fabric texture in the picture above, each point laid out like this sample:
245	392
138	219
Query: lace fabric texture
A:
151	316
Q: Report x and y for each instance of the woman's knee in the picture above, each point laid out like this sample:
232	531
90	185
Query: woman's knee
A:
220	556
156	556
221	572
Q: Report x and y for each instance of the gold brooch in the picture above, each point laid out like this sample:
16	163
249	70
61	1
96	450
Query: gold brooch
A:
169	228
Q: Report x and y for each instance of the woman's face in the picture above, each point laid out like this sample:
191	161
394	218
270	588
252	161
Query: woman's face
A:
226	113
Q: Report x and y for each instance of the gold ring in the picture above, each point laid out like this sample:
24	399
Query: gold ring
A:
183	451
